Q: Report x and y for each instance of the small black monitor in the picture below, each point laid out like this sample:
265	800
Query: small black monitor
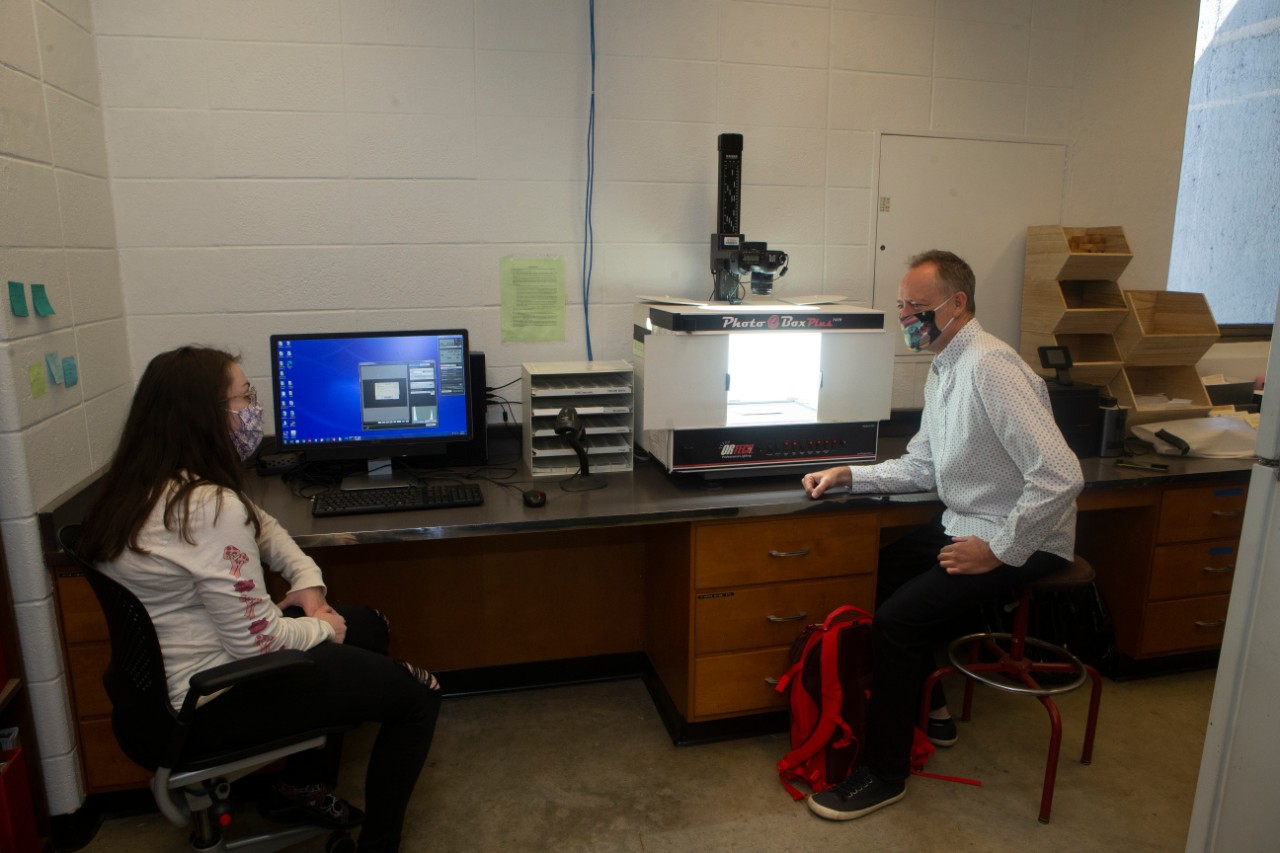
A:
359	396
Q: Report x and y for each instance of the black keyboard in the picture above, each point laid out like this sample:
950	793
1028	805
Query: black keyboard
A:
396	499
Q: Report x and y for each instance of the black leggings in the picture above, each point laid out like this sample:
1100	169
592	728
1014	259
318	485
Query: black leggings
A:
347	685
917	602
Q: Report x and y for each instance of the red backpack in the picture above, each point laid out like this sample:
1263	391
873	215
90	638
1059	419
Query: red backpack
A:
832	662
829	679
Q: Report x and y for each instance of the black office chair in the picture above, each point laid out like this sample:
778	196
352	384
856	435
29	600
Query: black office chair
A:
190	789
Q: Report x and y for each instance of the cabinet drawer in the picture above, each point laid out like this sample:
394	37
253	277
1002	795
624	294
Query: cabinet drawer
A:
1185	625
759	616
106	767
736	683
1211	512
1196	568
738	553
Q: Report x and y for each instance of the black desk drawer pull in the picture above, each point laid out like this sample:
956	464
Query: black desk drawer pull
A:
1227	513
803	552
1216	623
795	618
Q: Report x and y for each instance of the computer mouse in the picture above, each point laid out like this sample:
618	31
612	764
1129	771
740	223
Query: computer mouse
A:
533	497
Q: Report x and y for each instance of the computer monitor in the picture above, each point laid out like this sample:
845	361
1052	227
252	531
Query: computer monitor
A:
372	397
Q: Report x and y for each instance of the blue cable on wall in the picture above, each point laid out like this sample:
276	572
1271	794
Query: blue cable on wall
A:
588	235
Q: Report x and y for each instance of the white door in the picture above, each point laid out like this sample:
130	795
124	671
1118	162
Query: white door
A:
972	197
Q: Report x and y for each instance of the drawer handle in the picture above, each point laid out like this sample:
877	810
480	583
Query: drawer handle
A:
803	552
1227	513
772	681
1216	623
1219	570
795	618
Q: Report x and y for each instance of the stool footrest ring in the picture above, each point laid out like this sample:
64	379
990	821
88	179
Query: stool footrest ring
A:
1069	663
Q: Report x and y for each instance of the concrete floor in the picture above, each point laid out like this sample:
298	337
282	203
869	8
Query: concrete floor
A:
590	768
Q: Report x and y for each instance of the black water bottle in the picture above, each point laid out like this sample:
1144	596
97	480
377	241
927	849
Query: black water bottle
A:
1111	423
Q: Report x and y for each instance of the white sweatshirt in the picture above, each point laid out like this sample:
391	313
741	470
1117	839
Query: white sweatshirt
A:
209	601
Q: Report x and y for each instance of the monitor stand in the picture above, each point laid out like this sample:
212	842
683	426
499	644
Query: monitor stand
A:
379	474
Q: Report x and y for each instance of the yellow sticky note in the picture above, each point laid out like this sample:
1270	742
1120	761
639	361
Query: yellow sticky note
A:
35	375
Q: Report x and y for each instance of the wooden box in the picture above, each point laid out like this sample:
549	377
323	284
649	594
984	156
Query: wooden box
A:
1165	327
1095	358
1076	254
1177	382
1072	307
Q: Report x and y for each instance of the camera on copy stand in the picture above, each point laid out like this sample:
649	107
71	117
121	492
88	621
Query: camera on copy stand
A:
732	257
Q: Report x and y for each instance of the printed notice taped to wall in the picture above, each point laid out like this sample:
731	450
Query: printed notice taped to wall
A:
532	299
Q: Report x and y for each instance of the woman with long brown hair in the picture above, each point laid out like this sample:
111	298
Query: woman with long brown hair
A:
173	524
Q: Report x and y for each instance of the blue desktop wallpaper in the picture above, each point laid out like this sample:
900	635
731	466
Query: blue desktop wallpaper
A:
317	388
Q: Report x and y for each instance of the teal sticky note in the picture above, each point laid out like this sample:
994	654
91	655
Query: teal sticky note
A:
18	299
40	300
53	368
70	375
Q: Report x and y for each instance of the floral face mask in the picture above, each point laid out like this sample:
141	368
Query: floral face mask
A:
919	330
248	433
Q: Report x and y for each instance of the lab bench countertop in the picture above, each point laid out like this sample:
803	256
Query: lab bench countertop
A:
649	495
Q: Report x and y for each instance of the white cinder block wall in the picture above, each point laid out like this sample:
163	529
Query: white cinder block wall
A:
56	229
299	165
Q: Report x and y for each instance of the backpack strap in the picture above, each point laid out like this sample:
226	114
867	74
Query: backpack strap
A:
833	617
829	718
921	751
817	632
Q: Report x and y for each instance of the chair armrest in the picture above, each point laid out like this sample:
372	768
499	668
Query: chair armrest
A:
210	681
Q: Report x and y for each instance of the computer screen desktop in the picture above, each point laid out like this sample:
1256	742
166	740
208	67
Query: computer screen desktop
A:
358	396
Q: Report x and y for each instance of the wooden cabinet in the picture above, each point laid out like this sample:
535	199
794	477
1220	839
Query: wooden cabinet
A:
1197	537
713	604
749	589
88	648
1165	565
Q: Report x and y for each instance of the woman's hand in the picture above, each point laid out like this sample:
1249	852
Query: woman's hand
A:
311	600
817	482
967	555
335	619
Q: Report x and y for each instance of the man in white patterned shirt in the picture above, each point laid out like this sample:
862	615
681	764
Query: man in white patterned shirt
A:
989	446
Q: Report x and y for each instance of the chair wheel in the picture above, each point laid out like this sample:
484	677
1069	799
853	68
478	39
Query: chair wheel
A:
339	842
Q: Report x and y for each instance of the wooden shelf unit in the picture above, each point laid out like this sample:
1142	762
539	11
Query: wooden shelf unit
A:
1070	298
1136	343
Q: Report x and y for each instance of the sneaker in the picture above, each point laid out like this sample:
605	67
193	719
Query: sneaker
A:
314	805
861	794
942	732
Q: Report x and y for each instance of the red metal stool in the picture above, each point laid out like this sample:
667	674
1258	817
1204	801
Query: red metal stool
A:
1013	672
